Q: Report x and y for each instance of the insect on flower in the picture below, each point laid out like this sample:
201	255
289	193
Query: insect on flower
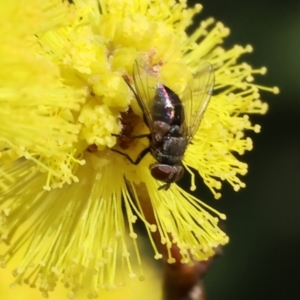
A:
172	121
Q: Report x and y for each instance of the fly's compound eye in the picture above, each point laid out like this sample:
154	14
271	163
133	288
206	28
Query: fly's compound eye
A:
167	173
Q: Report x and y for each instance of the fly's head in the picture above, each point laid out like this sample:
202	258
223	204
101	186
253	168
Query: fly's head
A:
166	173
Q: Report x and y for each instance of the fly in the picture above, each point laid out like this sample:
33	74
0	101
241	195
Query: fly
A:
172	122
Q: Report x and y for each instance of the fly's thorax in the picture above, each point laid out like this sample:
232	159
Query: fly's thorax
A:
164	158
174	146
169	148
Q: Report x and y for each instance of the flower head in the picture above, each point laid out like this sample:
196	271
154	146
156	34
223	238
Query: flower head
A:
67	200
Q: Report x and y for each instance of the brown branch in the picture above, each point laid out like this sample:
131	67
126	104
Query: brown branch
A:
183	282
180	281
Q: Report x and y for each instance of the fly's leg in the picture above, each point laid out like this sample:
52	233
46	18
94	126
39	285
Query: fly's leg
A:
132	136
138	159
164	186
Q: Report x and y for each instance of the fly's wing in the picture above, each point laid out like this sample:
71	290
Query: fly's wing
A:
145	85
196	98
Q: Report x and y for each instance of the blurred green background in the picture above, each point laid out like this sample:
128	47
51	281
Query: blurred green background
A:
262	259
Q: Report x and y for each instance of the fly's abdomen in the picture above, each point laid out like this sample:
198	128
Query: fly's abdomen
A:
167	107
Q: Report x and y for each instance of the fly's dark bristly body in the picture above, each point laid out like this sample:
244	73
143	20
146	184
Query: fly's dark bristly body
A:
167	142
172	121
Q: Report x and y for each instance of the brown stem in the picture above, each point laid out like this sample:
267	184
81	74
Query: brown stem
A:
183	282
180	281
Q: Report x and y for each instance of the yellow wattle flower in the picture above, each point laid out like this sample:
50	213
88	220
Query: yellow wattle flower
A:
67	200
148	289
